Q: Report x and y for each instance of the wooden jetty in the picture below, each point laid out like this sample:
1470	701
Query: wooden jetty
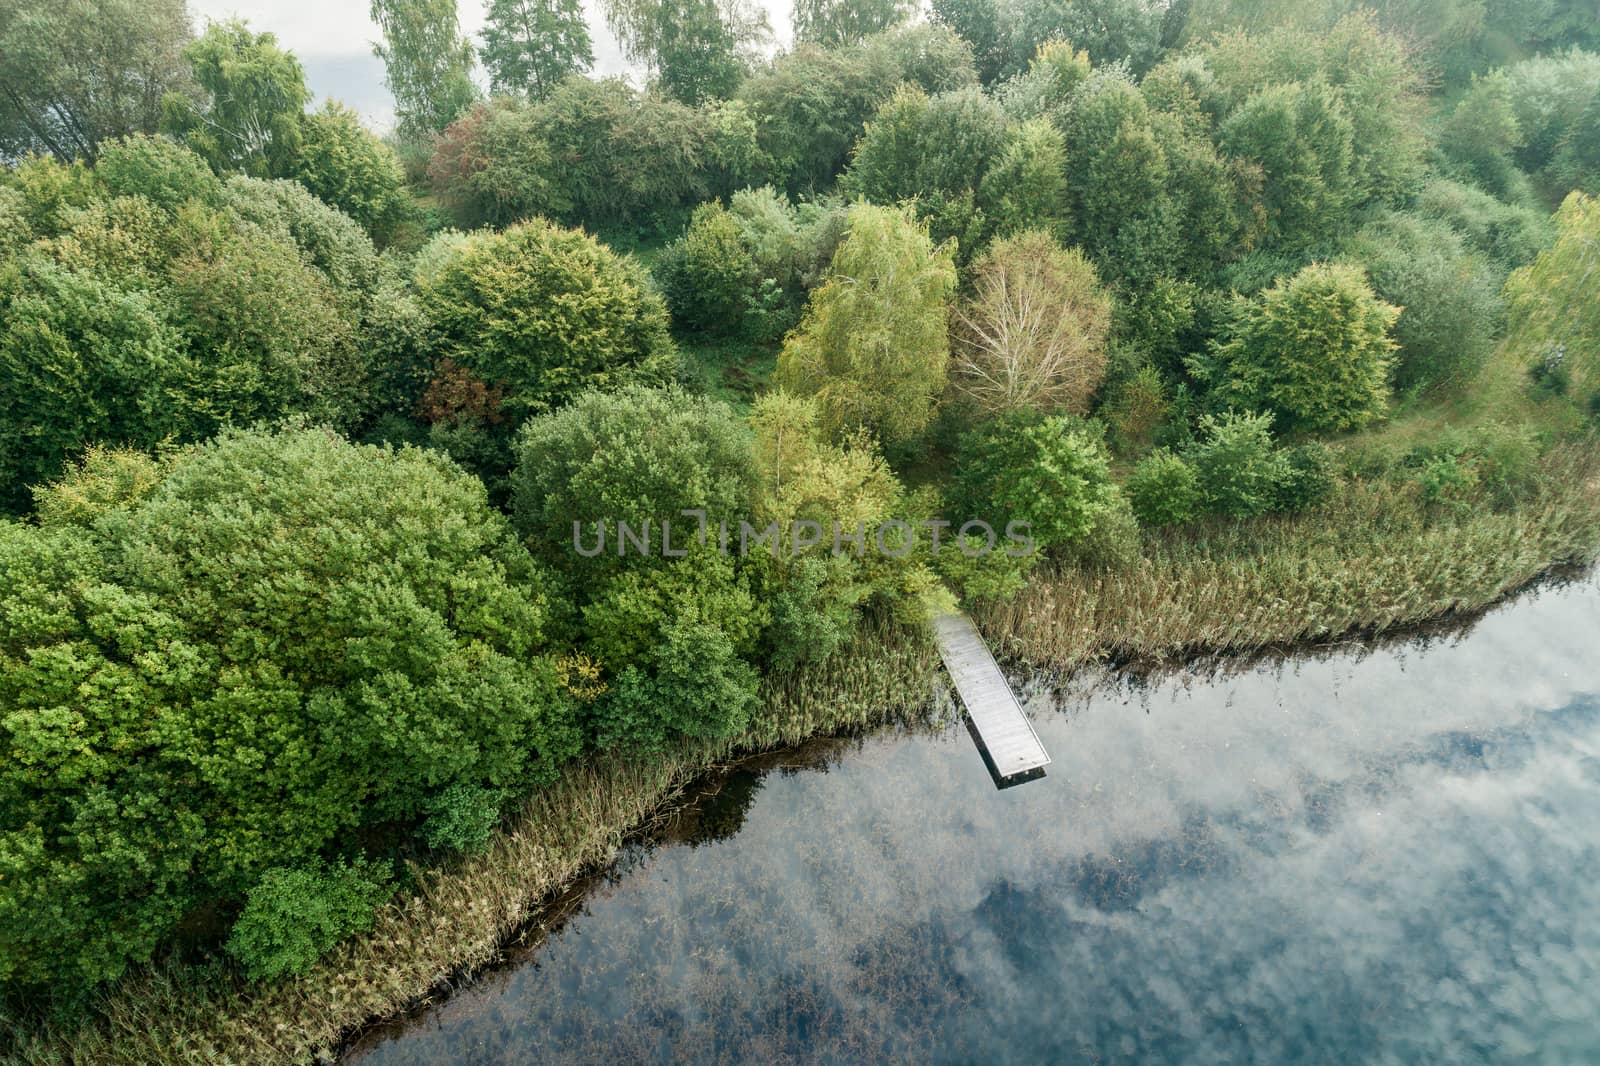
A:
1004	734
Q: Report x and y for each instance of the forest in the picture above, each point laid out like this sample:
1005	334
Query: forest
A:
300	423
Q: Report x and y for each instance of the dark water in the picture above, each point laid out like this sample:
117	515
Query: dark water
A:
1369	855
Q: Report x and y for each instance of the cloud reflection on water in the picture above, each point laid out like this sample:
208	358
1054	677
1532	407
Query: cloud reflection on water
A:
1384	856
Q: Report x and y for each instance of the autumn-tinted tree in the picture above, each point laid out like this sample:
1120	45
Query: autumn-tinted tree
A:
529	46
1032	335
79	72
872	346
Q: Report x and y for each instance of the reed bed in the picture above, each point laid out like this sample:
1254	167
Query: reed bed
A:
1370	562
1375	559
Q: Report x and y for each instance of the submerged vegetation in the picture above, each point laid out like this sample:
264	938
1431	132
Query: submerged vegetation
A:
311	686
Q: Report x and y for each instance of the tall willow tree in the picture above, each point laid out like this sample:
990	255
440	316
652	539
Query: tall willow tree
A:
428	63
696	49
247	113
835	22
872	346
529	46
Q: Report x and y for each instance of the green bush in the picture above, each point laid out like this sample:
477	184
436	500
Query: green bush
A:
1306	479
295	914
1511	234
462	817
1050	472
1450	299
636	456
166	174
1448	482
1314	350
707	276
545	313
279	643
1164	490
1238	467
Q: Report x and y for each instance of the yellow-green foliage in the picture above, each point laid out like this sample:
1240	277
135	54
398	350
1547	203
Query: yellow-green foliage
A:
1555	309
872	345
1314	350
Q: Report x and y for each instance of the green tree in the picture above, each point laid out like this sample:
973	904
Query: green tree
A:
675	633
247	114
345	165
1026	187
1164	490
95	361
545	313
529	46
1301	138
279	644
917	146
1314	350
696	49
708	276
79	72
1032	335
167	174
1452	311
427	61
295	914
834	22
1117	177
1050	472
1554	316
978	23
1237	464
872	346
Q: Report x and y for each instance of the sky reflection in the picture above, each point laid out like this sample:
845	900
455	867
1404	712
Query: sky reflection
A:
1385	855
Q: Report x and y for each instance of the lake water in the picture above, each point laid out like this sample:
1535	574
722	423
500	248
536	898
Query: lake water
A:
1369	854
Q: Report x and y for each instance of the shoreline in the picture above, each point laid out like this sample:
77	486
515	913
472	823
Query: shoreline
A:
658	829
462	918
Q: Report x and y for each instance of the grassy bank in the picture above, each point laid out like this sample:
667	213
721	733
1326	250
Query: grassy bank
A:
1372	560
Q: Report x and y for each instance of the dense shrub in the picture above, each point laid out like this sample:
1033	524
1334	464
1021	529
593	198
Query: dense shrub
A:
1050	472
1306	477
1164	490
1238	467
294	914
635	456
1314	350
544	313
1511	234
1451	311
674	634
802	477
279	642
872	346
707	276
347	166
166	174
1551	300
